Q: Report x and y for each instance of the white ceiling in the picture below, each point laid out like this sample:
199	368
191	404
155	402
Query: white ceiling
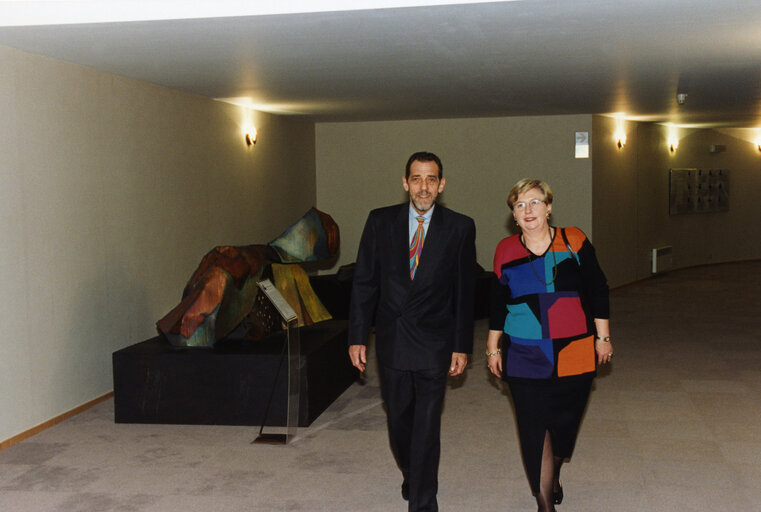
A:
531	57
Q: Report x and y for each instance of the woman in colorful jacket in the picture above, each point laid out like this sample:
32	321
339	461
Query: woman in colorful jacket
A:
549	312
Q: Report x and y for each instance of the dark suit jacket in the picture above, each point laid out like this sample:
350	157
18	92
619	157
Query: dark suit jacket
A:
420	322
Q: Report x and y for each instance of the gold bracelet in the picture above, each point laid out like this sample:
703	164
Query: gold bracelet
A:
495	353
603	338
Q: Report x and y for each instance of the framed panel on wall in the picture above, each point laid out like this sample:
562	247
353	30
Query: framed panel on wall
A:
698	191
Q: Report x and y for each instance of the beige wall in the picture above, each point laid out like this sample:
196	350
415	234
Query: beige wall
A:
360	167
631	198
111	191
615	203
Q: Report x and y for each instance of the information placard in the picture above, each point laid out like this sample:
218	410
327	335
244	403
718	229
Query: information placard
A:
277	299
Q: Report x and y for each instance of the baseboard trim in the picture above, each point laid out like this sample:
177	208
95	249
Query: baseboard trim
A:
658	276
54	421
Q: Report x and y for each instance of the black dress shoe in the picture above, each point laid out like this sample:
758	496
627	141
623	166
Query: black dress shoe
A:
557	497
405	491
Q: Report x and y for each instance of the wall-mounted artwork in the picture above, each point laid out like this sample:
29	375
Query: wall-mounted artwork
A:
698	191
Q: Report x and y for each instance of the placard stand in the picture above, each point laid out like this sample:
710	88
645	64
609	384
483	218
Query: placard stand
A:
291	349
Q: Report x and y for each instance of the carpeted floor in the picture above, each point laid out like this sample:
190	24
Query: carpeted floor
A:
673	425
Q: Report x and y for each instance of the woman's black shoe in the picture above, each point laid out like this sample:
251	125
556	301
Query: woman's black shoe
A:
557	497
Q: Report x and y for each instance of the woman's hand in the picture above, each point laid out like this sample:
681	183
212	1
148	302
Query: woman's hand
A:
494	360
604	350
494	363
603	346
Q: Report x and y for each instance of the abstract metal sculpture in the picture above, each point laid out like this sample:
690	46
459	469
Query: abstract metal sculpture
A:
222	295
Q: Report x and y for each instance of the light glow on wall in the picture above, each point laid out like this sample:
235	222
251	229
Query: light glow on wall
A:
672	140
619	137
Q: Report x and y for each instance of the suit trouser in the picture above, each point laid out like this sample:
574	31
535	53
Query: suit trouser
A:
413	401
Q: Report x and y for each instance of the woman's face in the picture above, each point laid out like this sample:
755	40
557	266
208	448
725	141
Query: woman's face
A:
530	210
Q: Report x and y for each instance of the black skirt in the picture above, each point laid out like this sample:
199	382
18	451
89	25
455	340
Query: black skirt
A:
554	405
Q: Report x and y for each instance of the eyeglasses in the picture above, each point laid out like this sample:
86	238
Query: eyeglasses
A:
531	204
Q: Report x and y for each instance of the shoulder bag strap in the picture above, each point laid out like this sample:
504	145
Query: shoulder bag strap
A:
568	245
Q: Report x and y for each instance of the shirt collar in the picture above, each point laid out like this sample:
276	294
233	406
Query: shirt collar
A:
427	215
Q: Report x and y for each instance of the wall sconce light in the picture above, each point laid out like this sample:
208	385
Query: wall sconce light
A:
251	137
672	137
619	132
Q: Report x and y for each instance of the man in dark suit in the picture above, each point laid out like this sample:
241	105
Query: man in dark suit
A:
415	276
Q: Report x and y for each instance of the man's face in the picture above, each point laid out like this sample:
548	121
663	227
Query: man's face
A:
423	185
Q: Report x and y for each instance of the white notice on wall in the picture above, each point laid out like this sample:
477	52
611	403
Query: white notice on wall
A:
277	299
582	144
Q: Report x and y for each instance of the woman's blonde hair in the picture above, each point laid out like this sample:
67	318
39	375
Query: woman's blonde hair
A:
525	185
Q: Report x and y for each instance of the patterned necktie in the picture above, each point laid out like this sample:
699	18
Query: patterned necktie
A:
416	247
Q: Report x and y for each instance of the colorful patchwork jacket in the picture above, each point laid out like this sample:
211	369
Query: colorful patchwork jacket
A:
546	305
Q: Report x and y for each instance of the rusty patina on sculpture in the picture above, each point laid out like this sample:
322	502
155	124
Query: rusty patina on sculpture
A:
222	295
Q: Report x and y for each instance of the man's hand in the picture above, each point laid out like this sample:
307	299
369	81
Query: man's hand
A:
358	356
459	362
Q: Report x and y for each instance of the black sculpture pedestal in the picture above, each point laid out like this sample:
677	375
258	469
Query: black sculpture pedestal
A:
230	383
